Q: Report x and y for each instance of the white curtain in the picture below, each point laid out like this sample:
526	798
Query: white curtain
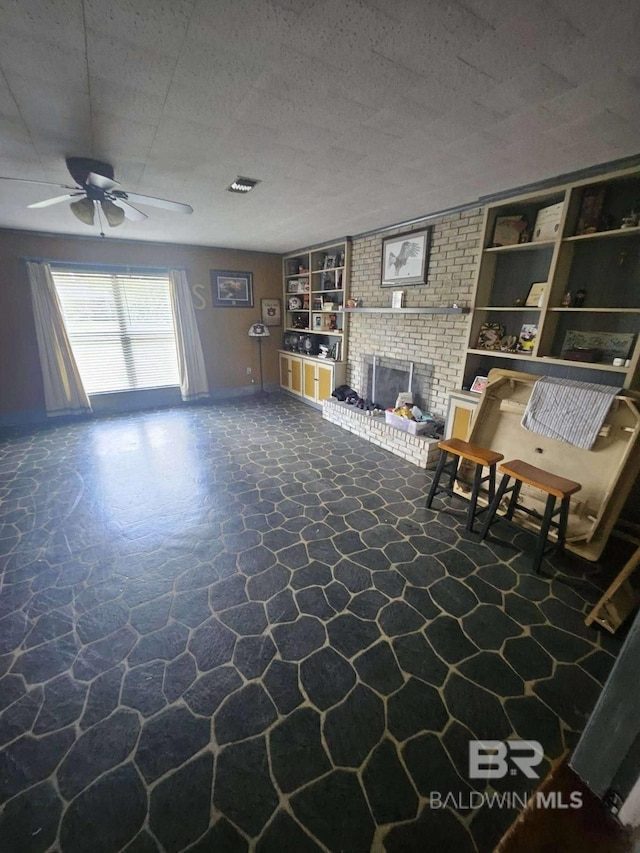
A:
193	375
64	392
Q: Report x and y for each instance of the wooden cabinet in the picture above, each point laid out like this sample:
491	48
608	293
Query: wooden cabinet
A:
319	379
312	378
584	322
291	373
315	290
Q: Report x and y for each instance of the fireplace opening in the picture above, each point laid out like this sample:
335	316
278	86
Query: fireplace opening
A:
386	377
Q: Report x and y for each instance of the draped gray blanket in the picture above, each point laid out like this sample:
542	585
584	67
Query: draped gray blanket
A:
568	410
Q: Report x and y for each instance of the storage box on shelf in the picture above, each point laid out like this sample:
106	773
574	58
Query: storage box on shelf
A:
315	290
582	319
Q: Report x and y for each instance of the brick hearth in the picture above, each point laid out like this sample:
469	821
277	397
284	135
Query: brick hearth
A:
418	449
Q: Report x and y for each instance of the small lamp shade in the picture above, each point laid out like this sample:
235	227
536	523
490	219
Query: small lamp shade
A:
113	214
83	210
258	330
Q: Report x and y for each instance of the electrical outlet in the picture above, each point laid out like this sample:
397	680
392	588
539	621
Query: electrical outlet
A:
249	371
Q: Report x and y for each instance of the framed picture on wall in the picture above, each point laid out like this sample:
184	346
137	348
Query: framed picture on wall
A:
405	257
271	311
232	289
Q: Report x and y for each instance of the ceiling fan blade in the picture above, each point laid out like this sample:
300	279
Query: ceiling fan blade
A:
39	183
101	182
49	201
175	206
130	211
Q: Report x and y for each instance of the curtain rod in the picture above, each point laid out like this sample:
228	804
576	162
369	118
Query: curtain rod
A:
96	266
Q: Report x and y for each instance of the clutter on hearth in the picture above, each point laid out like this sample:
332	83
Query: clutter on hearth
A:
412	419
404	416
345	394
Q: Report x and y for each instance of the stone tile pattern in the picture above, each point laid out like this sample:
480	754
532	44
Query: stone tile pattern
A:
417	449
237	627
435	340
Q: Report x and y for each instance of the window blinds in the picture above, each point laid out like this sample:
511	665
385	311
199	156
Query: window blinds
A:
121	328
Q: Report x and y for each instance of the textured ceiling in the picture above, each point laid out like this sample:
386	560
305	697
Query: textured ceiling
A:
354	115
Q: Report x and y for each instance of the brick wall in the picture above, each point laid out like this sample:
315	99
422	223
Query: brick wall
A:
439	339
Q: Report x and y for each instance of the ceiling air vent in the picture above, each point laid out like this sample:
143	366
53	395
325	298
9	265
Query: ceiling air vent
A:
242	185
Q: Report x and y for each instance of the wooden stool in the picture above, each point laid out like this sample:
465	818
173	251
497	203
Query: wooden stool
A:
480	456
556	488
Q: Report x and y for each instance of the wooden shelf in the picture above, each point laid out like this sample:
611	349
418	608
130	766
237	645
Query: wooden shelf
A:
404	310
522	247
547	359
590	365
504	308
500	354
596	310
598	235
335	332
312	357
328	269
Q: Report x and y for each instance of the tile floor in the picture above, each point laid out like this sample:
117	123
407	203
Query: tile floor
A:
237	628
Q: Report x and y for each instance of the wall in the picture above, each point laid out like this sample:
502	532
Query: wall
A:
438	340
228	351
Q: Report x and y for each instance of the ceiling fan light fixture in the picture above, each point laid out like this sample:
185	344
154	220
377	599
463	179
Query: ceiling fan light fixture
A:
83	210
112	213
242	185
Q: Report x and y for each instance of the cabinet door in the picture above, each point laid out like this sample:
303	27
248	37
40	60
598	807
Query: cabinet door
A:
309	380
325	381
296	375
460	417
285	378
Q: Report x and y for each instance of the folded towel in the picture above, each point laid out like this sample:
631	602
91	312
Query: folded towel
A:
567	410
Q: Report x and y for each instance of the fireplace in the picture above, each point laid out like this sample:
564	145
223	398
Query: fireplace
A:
384	378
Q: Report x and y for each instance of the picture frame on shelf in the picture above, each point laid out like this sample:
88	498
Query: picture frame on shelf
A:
535	294
591	204
479	384
271	312
510	230
527	338
547	223
610	344
232	289
397	298
405	258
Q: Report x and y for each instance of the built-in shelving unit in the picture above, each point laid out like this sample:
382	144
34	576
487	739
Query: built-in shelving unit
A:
315	291
590	305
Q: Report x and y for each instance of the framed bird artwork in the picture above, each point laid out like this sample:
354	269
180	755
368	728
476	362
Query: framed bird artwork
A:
405	257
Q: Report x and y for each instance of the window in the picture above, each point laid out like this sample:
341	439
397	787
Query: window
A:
120	324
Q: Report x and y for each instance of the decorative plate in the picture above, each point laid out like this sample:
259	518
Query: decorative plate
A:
295	303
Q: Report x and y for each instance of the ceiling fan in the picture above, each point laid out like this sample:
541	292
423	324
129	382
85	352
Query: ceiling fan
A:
97	190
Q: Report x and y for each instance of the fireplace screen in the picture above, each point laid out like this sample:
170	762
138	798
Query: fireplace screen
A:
385	378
